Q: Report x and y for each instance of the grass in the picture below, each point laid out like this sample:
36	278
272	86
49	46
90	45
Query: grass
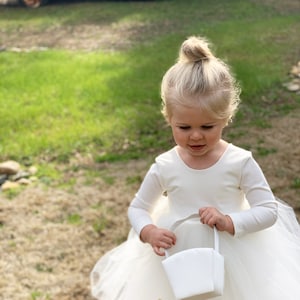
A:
74	219
296	183
56	102
37	295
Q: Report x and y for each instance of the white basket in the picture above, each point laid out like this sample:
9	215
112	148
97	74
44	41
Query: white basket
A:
196	271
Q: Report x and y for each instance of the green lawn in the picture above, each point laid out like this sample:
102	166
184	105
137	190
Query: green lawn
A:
55	102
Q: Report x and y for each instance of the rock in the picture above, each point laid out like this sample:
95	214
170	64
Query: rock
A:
21	174
9	167
294	84
293	87
295	70
11	175
32	170
3	178
24	181
9	185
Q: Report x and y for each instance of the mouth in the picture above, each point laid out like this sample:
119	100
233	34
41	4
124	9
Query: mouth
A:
196	147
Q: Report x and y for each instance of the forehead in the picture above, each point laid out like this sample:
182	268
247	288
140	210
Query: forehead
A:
191	115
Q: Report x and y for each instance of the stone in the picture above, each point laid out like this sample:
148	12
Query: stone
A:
24	181
295	71
9	167
294	84
12	176
3	178
9	185
293	87
33	170
21	174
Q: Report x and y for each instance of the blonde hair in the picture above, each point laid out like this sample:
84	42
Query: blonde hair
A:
200	79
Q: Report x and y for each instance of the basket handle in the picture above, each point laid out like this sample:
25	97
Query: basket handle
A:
194	216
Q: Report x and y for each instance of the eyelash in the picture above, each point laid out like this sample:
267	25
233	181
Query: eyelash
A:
185	127
204	127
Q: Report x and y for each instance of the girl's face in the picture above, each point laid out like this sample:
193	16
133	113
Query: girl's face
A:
196	133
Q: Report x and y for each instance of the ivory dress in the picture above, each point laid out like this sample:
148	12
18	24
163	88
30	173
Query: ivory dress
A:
262	259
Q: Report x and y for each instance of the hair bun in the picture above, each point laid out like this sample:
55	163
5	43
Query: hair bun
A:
195	49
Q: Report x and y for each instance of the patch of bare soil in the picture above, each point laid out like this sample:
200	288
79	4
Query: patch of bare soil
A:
50	238
106	36
86	37
276	149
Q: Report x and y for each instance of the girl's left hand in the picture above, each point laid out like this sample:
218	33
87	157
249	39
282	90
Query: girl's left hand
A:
213	217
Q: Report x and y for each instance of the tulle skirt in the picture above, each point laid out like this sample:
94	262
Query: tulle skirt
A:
260	266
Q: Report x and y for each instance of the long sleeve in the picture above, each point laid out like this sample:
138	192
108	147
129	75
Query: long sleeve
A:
141	206
263	207
235	185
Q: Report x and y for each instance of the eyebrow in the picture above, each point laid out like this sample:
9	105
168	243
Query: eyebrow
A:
187	124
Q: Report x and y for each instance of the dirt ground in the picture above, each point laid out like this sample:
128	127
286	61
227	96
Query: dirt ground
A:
46	256
51	237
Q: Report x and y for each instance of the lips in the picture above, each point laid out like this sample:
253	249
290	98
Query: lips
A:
196	147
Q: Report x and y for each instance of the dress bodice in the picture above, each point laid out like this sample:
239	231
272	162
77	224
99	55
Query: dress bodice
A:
235	185
189	189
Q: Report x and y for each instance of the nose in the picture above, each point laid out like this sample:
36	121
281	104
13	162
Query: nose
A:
196	134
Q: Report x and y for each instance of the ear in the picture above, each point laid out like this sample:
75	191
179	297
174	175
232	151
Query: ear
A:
226	122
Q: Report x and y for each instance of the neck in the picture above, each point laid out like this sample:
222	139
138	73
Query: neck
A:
206	160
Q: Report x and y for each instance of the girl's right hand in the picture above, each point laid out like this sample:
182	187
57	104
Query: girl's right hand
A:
158	238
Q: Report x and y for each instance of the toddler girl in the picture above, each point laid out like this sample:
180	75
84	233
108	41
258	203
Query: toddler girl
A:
222	183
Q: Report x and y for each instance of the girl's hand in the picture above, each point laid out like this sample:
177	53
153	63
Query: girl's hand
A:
158	238
212	217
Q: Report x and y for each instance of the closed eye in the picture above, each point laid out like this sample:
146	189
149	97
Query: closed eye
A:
207	127
184	127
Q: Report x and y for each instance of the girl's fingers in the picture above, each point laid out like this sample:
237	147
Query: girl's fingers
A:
158	251
169	240
165	243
